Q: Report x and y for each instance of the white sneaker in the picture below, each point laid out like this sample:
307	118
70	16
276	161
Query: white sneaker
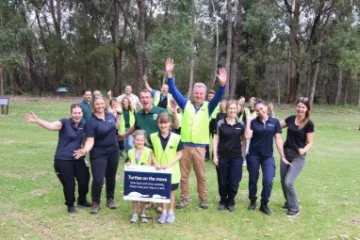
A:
134	218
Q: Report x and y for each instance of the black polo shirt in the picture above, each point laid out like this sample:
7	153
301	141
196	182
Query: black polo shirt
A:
296	138
70	139
229	144
262	141
104	134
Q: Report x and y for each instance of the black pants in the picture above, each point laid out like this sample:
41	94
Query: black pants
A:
104	166
69	170
229	173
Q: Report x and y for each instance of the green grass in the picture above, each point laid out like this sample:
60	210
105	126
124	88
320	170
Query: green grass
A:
32	204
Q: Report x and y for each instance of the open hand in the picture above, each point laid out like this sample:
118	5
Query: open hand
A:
222	76
79	153
169	66
31	117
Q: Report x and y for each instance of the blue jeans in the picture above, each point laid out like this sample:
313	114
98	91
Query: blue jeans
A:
268	171
128	142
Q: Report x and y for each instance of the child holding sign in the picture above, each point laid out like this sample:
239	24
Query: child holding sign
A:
140	155
167	149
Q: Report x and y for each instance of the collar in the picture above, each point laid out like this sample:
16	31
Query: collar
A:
166	138
236	121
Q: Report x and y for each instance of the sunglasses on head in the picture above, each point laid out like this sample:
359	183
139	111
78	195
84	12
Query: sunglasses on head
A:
303	99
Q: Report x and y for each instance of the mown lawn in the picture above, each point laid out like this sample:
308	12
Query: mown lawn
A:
32	206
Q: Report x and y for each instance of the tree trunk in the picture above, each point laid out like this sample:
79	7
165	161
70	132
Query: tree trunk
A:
294	51
1	81
216	55
35	79
346	88
339	87
192	65
140	46
236	51
118	51
316	75
228	45
358	104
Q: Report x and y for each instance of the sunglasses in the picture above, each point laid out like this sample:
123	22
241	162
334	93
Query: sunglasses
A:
303	99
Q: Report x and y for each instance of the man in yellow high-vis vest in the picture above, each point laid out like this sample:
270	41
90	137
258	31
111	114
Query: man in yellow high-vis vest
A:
194	131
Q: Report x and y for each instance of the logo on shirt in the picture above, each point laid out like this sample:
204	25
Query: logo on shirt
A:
155	116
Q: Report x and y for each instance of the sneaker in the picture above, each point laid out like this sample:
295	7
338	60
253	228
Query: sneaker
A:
203	204
252	205
111	204
221	207
231	208
265	209
170	218
162	218
143	218
95	208
293	212
181	204
134	218
71	209
84	204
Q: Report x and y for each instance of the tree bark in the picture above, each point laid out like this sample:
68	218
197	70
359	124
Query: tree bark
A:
192	65
316	75
140	46
339	87
228	45
115	34
216	54
1	80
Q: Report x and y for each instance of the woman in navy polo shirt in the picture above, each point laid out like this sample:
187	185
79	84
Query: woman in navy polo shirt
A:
67	168
299	140
104	153
227	156
262	130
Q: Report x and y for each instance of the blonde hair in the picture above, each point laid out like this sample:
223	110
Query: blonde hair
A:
140	132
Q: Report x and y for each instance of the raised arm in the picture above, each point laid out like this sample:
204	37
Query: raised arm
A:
179	98
32	118
222	77
146	84
248	131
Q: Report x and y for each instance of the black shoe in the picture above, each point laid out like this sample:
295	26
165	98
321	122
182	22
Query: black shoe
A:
203	204
285	206
293	212
221	207
252	205
265	209
231	208
84	204
71	209
95	207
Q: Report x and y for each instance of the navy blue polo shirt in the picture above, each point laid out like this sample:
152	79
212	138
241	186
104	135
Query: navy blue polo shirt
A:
261	143
229	144
164	142
70	139
104	134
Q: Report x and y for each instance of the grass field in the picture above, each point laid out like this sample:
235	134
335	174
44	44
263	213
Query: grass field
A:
32	204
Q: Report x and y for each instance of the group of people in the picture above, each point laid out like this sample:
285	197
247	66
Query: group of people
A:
166	130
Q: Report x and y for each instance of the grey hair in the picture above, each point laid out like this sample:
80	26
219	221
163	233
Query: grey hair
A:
200	85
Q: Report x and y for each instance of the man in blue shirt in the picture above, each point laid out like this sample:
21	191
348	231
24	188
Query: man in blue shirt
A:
194	131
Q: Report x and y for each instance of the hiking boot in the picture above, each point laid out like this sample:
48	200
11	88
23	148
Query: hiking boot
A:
293	212
71	209
181	204
252	205
111	204
203	204
265	209
95	207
